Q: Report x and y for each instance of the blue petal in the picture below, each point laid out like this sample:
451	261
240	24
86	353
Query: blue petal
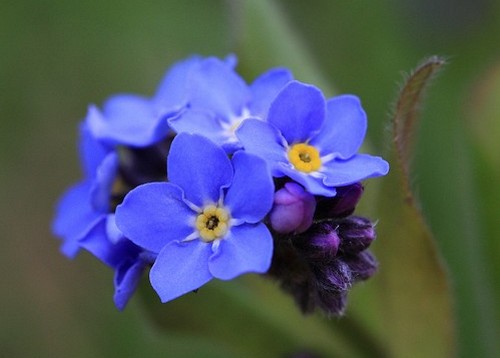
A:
97	242
129	120
361	166
265	88
172	93
231	60
114	234
154	214
314	185
199	167
101	187
70	248
92	151
250	196
298	112
217	88
74	217
127	277
264	140
181	268
247	248
199	122
344	128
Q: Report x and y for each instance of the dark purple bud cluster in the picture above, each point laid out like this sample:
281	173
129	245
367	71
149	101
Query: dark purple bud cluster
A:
319	265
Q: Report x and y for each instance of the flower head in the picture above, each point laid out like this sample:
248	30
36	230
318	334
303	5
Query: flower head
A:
206	222
312	141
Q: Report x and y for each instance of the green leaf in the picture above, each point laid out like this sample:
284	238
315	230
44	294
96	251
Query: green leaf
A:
406	114
414	294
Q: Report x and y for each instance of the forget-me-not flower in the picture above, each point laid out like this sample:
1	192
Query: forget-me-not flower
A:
220	100
313	141
206	222
128	119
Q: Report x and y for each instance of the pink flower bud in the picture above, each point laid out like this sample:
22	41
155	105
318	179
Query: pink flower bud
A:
293	209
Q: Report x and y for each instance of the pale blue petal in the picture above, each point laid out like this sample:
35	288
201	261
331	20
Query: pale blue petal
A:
181	268
344	128
217	88
247	248
265	89
263	140
250	196
361	166
199	167
154	214
298	112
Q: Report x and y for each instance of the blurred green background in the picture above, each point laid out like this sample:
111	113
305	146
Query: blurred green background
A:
58	56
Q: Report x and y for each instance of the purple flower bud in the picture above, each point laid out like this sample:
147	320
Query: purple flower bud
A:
320	242
356	234
342	204
334	277
362	265
293	209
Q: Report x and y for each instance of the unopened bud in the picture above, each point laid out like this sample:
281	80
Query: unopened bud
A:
362	266
320	242
334	277
342	204
356	234
293	209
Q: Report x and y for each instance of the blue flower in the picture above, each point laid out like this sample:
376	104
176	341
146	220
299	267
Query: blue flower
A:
220	100
313	141
84	219
206	222
140	121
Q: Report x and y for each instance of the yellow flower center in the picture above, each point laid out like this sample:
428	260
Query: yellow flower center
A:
304	157
212	223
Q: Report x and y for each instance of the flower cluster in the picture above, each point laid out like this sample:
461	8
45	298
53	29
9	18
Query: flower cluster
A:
213	178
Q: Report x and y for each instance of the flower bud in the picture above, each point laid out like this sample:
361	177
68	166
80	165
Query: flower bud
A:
320	242
356	234
362	265
293	209
342	204
335	277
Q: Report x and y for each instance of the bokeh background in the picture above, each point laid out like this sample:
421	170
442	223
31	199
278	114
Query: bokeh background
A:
57	56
